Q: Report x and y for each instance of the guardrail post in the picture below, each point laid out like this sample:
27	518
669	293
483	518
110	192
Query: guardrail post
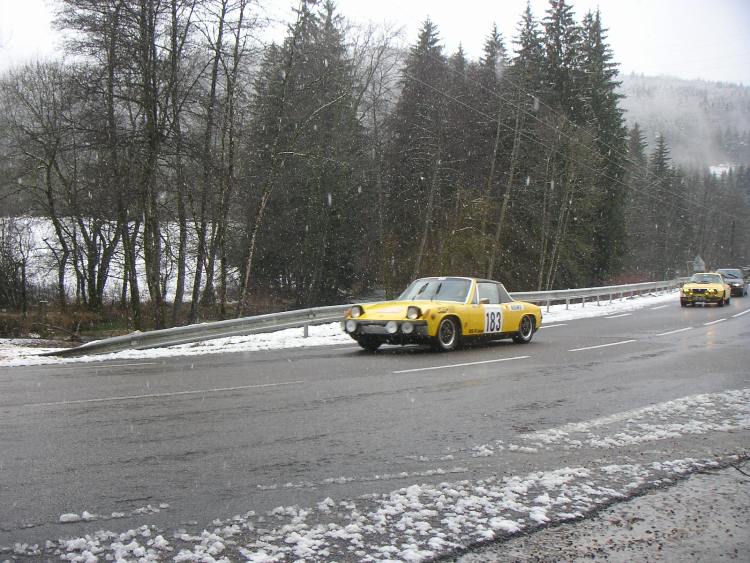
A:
567	303
306	331
583	301
548	304
610	299
597	300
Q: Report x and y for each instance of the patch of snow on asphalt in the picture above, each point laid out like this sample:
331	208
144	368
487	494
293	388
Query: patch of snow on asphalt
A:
424	521
413	523
15	353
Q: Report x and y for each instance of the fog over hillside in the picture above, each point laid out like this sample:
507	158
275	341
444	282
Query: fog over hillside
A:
704	123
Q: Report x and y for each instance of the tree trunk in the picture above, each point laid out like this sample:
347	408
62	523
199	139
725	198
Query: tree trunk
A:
428	216
506	196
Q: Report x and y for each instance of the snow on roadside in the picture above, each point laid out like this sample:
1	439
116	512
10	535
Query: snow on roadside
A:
423	521
15	353
698	414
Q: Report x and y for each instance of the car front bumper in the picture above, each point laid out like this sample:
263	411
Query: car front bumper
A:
702	297
393	331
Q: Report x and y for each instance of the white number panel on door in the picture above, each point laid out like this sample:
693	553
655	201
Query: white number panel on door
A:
493	319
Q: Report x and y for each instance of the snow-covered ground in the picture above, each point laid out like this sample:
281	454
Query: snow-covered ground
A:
19	353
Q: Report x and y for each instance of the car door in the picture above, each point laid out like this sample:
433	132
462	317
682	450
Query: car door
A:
493	313
512	311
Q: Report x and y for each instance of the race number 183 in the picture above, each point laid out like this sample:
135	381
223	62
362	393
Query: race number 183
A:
493	319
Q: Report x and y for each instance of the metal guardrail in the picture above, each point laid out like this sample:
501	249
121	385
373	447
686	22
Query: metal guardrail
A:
304	318
208	331
610	293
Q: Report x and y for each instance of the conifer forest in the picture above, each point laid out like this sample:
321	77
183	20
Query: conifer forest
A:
182	162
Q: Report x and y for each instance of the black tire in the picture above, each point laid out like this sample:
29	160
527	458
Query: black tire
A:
369	343
683	303
721	302
448	335
525	330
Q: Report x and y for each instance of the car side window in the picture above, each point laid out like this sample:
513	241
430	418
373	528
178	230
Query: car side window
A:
488	291
504	295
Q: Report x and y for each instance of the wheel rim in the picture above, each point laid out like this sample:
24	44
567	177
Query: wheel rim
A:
447	333
526	327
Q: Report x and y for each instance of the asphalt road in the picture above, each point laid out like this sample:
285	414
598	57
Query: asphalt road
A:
180	442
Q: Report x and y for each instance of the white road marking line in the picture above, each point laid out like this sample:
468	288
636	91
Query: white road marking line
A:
160	395
675	331
659	307
742	313
462	365
618	316
352	347
80	365
714	322
602	346
553	326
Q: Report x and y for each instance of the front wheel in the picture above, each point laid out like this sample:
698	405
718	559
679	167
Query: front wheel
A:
448	335
369	343
525	330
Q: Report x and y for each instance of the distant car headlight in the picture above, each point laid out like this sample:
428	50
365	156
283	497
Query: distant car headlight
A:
391	327
350	326
407	328
413	312
356	312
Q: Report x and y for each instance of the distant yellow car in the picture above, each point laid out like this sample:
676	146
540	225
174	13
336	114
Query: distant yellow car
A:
443	312
706	287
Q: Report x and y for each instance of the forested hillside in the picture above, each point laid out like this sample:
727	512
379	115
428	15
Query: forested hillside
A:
705	123
335	162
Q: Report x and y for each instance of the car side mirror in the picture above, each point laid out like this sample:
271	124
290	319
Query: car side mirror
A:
484	301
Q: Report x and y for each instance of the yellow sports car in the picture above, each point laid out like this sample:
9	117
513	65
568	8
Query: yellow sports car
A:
708	287
443	312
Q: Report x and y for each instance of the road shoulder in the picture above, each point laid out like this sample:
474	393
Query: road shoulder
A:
705	517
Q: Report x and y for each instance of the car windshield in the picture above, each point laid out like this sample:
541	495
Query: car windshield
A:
706	278
437	289
733	274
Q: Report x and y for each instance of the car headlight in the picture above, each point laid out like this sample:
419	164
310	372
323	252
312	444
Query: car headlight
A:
356	311
413	312
685	290
391	327
713	290
350	326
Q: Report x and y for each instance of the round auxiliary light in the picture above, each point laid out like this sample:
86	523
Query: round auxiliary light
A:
391	327
350	326
407	328
356	311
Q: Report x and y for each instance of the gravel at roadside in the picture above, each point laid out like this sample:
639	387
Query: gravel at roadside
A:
705	518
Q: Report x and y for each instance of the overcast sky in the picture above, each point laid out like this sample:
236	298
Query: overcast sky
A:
708	39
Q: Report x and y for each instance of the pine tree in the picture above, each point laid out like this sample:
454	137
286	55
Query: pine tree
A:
604	119
415	156
562	50
306	152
